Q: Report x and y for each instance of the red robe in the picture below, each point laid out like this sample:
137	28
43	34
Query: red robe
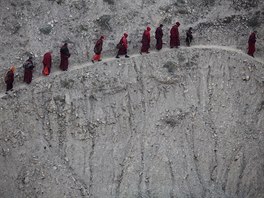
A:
28	65
47	60
98	49
158	36
251	44
9	79
174	37
123	49
65	55
145	41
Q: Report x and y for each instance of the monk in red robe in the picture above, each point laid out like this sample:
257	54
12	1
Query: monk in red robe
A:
9	79
28	70
65	55
158	37
47	61
98	49
175	36
122	46
145	41
251	43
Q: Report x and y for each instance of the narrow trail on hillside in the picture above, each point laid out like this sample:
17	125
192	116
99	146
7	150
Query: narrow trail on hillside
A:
37	76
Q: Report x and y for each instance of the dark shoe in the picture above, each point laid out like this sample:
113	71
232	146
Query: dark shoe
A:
126	56
117	57
93	61
6	93
147	52
140	53
100	60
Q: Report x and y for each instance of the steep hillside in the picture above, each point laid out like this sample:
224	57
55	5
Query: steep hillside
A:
180	123
35	27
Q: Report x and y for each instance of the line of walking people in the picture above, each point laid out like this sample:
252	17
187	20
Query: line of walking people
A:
122	47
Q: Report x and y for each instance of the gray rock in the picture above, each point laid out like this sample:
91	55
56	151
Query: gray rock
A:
103	22
46	29
110	2
171	66
26	180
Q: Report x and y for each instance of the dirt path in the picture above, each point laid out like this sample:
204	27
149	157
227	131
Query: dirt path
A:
37	76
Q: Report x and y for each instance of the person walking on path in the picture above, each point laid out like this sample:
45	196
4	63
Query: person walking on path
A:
65	55
98	49
251	43
9	79
28	70
122	46
189	37
175	36
158	37
47	61
145	41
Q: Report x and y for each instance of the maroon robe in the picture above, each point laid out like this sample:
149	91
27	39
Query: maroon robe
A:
145	41
9	79
47	61
174	37
98	46
28	66
251	44
123	46
65	55
158	36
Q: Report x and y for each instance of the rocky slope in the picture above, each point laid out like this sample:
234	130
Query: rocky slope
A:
35	27
179	123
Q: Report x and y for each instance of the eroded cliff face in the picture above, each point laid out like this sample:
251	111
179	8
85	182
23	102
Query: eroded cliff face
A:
180	123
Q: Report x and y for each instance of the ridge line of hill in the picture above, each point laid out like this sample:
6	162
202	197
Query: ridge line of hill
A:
110	59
